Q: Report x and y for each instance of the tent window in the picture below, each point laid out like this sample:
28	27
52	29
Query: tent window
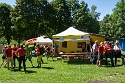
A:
64	44
79	44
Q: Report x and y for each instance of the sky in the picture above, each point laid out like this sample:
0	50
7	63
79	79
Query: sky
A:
103	6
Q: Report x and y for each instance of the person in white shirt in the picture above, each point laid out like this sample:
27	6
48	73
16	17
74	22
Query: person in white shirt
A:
95	51
117	49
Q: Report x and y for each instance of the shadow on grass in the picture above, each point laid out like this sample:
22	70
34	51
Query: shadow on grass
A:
78	61
27	71
15	70
44	63
30	71
109	63
51	60
42	67
47	67
87	61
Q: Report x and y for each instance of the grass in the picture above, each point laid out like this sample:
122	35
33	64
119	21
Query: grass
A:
64	71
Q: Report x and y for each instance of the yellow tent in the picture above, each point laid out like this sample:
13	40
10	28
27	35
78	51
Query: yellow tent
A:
71	40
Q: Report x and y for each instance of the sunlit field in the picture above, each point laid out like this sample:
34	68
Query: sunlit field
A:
64	71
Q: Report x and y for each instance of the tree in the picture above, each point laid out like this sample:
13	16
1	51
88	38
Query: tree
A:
31	18
113	25
119	11
85	19
5	21
63	15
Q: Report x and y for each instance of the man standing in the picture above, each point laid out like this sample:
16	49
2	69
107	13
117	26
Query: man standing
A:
108	53
9	56
14	54
95	51
29	54
117	49
21	52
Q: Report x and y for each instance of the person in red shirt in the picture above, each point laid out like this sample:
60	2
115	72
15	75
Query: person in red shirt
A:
9	56
14	54
21	52
38	55
108	53
100	54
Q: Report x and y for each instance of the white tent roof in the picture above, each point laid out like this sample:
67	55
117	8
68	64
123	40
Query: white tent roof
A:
38	39
47	40
43	40
71	31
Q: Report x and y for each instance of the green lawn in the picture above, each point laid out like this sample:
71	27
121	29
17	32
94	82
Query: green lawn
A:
64	71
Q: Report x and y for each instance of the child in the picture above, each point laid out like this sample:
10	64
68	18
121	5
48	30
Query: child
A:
4	57
100	54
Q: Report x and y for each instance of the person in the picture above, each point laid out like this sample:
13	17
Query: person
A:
9	56
100	54
48	52
91	42
88	48
42	51
39	57
108	53
34	46
117	49
21	52
14	54
56	48
52	52
4	57
95	51
29	54
83	47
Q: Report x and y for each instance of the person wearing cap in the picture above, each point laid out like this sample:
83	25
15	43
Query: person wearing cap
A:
21	52
117	49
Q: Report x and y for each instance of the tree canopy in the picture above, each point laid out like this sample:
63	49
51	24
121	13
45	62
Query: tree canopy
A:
32	18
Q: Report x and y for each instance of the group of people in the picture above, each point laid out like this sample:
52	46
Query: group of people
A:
107	49
11	54
21	54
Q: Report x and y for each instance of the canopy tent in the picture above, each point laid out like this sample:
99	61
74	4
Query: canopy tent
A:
43	40
70	40
40	39
70	31
31	40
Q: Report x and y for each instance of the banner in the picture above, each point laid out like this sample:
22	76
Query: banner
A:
61	40
74	39
85	37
